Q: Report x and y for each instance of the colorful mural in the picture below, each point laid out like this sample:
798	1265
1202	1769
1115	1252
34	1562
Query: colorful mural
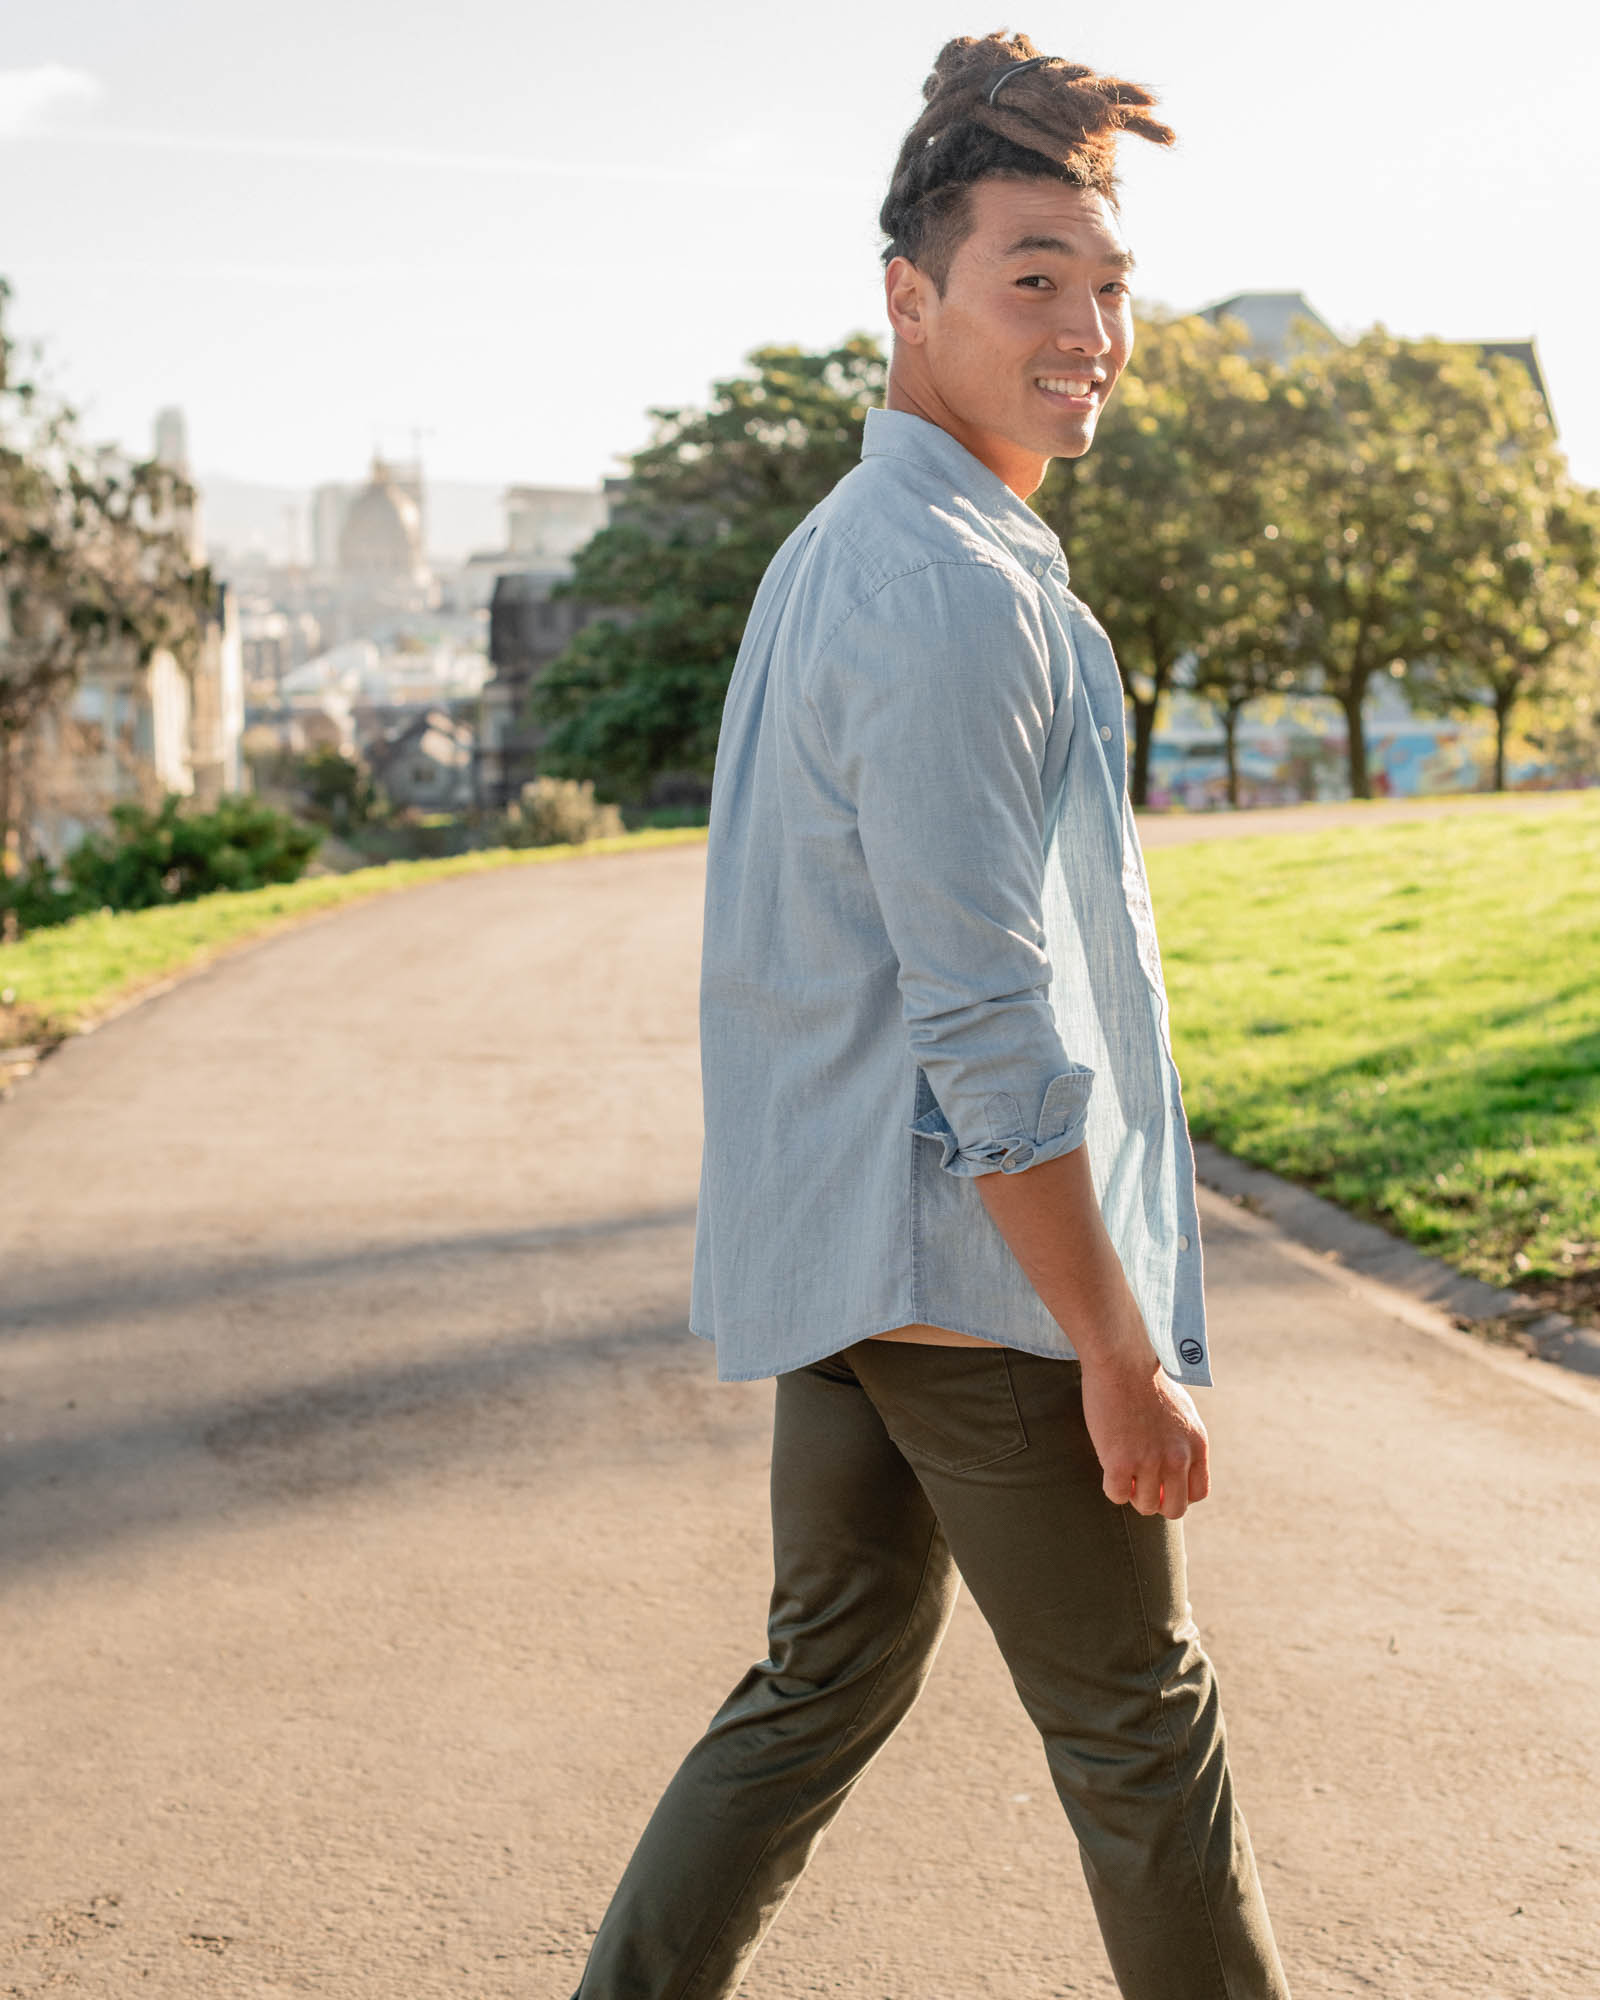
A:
1298	754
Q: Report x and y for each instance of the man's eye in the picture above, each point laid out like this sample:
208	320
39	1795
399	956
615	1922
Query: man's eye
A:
1118	286
1037	278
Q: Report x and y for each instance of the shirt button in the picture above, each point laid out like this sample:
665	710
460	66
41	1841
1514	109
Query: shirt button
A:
1022	1157
1105	731
1183	1242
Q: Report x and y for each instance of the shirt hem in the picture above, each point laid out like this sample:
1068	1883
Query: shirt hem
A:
1067	1353
1191	1378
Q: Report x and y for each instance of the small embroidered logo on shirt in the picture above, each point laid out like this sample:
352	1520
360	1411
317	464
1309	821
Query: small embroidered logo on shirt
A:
1192	1352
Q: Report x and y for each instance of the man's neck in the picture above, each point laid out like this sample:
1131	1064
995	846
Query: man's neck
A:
1022	470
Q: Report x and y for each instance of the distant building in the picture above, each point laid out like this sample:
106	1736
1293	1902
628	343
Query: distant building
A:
172	439
136	729
329	506
1271	317
380	540
274	643
528	627
545	528
216	713
1526	354
552	522
371	635
427	764
370	565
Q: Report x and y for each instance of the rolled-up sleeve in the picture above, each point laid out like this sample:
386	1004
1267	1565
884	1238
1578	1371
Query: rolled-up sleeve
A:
934	701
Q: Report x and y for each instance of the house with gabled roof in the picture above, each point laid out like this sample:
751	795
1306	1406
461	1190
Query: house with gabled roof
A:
1271	317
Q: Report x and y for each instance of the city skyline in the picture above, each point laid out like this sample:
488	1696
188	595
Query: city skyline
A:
494	237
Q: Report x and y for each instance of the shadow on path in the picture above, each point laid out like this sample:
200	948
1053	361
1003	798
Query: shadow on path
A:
123	1289
525	1399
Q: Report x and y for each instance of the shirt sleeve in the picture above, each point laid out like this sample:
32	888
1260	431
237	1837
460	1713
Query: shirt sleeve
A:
935	702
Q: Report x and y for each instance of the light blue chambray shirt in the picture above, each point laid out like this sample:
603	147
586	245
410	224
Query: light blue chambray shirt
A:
929	950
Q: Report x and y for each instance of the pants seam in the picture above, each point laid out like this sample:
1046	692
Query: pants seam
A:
1177	1766
813	1777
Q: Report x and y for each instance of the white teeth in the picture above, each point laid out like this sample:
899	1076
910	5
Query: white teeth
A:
1060	385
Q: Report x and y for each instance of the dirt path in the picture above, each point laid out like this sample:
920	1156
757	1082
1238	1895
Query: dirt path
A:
1178	829
375	1537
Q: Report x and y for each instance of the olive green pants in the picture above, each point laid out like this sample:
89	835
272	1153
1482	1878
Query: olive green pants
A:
894	1467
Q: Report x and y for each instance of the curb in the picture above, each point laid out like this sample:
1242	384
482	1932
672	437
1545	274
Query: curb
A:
1372	1253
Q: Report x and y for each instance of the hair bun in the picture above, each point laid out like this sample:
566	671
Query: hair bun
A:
973	59
1057	120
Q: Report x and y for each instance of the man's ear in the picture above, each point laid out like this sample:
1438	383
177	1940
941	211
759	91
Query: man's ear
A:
905	296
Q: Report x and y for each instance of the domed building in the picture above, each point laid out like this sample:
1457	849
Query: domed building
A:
380	542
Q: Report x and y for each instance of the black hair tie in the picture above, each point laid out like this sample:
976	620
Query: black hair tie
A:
1016	69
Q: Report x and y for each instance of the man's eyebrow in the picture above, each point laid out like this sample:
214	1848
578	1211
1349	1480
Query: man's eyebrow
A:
1120	260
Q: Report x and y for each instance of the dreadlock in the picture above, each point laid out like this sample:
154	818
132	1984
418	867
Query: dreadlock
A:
1056	121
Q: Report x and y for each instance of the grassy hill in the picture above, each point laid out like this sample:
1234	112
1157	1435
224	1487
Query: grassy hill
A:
1407	1019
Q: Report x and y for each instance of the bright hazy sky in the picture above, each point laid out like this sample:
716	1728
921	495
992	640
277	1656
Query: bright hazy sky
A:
513	228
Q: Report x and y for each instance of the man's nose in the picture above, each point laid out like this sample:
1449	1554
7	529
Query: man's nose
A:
1084	331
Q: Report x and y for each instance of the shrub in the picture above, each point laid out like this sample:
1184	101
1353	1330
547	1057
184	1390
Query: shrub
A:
553	810
33	899
165	856
338	790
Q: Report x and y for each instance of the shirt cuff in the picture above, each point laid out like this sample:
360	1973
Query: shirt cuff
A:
1062	1122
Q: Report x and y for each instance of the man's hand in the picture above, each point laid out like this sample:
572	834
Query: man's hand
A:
1145	1429
1147	1434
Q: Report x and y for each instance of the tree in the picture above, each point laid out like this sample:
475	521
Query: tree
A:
709	500
1236	662
1384	550
1564	727
1169	488
1525	544
91	557
1241	611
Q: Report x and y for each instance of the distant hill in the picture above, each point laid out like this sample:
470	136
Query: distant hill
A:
240	515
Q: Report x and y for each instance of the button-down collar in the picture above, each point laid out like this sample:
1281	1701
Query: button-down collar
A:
898	434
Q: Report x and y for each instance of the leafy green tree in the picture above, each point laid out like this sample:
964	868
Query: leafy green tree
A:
1169	487
1240	606
1563	725
1384	554
709	500
1525	541
91	556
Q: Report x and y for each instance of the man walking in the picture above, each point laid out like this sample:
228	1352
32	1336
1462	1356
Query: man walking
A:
947	1195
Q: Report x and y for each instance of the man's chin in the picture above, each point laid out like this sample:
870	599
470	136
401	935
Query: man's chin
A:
1073	439
1064	435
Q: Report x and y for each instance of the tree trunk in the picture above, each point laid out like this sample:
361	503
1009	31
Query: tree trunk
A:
1230	741
1356	738
24	793
6	741
1144	728
1504	700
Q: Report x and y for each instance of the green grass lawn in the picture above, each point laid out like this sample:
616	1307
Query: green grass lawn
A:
1407	1019
56	981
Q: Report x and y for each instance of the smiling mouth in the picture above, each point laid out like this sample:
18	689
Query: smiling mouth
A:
1071	392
